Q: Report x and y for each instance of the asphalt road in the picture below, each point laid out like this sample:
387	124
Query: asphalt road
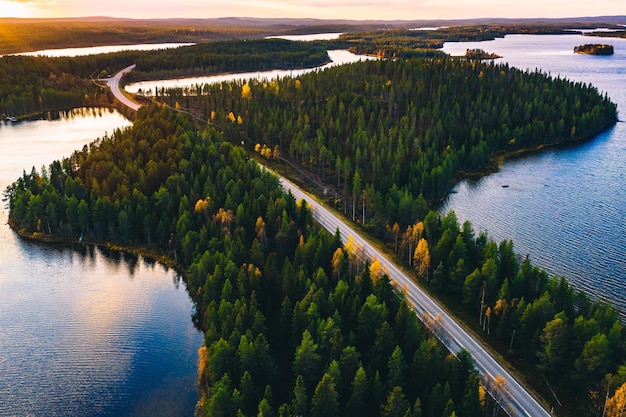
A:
513	398
114	84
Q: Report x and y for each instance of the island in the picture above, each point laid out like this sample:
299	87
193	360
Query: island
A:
594	49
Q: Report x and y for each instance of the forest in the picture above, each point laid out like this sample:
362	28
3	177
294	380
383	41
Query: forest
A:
228	56
294	323
388	137
608	34
558	335
31	85
25	35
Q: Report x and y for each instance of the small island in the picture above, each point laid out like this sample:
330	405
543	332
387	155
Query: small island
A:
479	54
594	49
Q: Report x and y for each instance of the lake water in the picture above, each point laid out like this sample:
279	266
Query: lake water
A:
337	57
565	207
308	38
85	332
93	50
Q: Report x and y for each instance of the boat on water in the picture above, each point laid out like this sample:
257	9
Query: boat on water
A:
12	119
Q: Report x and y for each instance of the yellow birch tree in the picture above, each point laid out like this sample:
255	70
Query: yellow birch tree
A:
616	405
421	258
246	93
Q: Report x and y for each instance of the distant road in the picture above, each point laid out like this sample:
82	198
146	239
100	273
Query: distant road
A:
114	84
515	400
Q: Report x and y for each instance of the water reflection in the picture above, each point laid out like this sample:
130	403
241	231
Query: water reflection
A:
53	136
91	331
86	330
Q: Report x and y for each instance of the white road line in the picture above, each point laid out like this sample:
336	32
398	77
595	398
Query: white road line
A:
513	398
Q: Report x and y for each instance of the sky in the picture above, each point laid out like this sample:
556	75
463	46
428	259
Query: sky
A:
323	9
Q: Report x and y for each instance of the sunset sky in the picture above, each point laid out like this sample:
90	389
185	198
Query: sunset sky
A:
326	9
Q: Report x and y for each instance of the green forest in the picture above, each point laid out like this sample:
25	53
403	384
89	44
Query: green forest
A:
229	56
294	323
389	136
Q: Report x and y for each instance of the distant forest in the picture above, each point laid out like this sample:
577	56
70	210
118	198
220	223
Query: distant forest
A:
30	85
25	35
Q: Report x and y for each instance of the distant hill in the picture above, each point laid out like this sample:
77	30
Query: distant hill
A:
618	20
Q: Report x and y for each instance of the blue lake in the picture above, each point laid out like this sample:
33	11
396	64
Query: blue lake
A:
564	207
84	332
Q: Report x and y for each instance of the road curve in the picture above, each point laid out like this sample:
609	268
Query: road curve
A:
513	398
114	84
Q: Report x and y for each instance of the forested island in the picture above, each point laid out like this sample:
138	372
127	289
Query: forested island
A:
608	34
295	322
594	49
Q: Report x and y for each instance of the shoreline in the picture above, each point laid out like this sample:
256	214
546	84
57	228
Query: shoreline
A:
152	254
500	157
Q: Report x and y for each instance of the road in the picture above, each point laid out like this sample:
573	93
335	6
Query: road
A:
512	396
114	84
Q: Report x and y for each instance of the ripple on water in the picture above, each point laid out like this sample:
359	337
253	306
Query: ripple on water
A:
565	207
82	338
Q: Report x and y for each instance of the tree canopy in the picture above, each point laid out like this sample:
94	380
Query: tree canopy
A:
390	135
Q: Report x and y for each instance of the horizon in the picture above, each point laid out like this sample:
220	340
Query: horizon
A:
379	10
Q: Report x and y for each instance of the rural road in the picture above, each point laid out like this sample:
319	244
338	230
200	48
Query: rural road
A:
513	398
114	84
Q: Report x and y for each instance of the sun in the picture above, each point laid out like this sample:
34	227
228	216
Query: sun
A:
13	9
